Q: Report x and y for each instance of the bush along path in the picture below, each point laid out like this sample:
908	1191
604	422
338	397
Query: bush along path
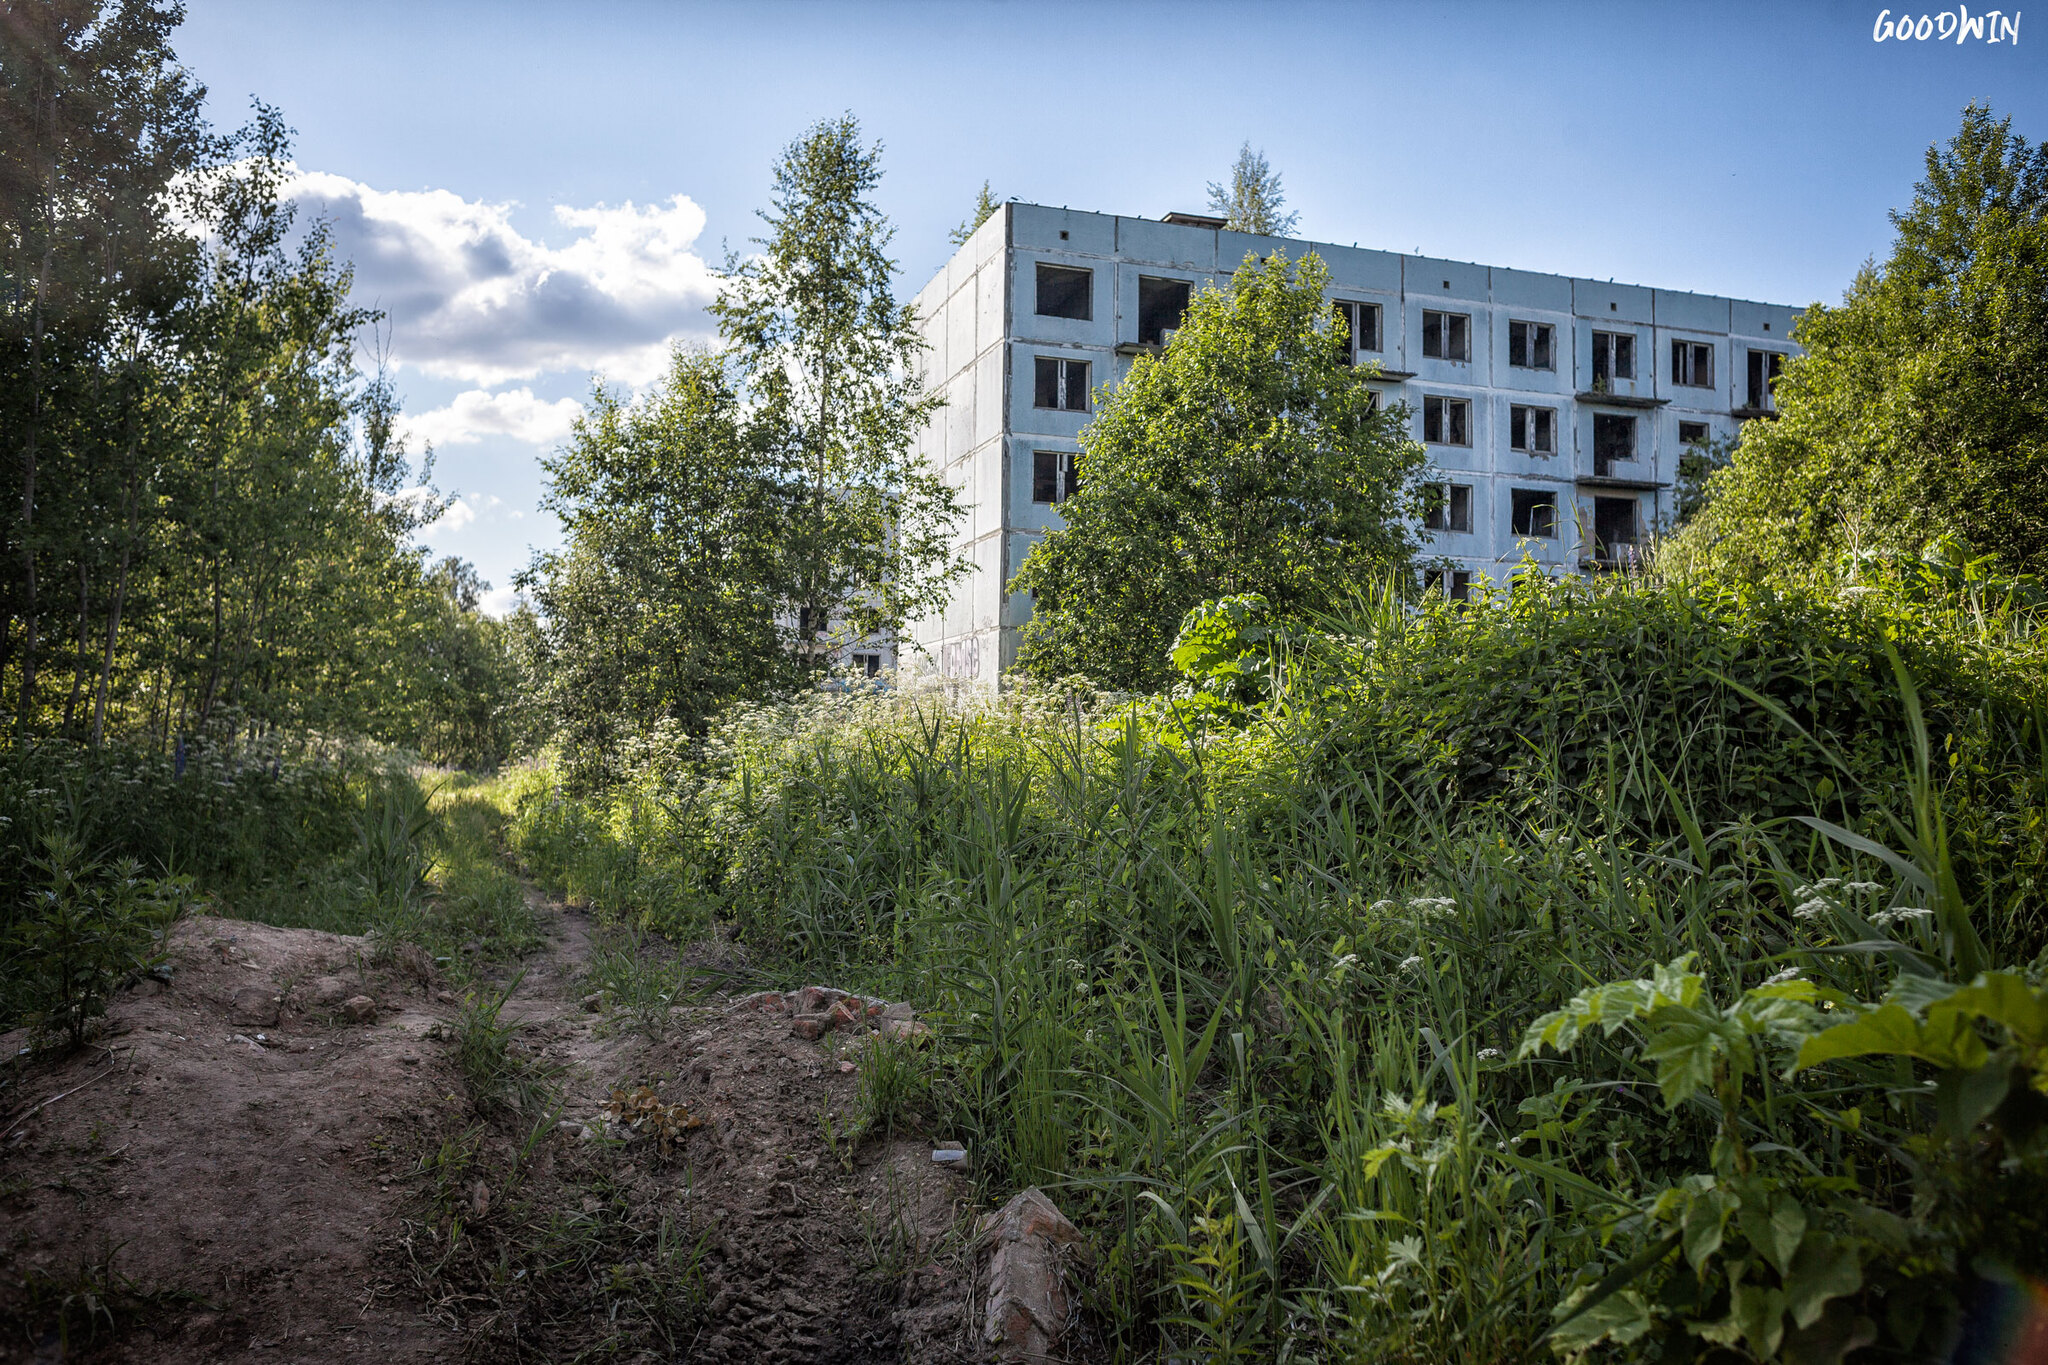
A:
313	1146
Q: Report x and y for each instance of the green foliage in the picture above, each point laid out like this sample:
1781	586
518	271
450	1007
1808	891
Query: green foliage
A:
1243	459
84	933
1919	408
985	206
1249	994
1252	201
638	979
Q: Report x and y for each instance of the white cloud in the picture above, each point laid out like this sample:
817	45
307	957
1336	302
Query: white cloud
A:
478	413
460	513
472	298
500	602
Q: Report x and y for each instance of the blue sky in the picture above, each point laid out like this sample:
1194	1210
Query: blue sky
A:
536	192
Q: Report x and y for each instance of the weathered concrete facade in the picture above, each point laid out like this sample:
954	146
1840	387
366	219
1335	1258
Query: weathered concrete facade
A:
1532	391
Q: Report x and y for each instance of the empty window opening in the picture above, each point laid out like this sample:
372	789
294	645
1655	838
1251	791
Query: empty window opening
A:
1161	305
1615	526
1691	433
1533	431
1692	363
1065	292
1455	584
1532	345
1053	476
1358	329
1614	357
1061	384
1614	438
1535	513
1764	369
1446	336
1447	506
812	621
1446	421
869	665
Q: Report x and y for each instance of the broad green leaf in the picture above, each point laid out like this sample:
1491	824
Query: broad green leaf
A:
1760	1313
1963	1099
1620	1318
1706	1221
1774	1228
1824	1269
1685	1049
1889	1030
2001	998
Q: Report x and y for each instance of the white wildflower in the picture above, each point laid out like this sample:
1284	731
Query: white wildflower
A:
1779	978
1809	909
1431	903
1884	919
1379	907
1409	964
1863	886
1489	1054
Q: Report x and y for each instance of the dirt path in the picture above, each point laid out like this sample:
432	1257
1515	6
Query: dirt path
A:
241	1171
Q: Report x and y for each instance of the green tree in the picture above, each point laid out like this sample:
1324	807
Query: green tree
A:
985	206
1246	458
666	601
1252	201
828	362
1920	408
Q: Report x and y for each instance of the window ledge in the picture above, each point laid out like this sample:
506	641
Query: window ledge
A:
1376	372
1751	414
1613	481
1138	348
1620	400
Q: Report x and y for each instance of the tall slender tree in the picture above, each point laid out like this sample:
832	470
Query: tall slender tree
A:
1252	200
829	362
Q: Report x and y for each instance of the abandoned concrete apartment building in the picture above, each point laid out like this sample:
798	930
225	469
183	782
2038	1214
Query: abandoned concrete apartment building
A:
1554	409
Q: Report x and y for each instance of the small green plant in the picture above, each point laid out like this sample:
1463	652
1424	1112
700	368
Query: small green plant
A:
891	1083
84	931
483	1053
639	982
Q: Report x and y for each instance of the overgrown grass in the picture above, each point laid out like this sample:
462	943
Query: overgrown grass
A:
1247	989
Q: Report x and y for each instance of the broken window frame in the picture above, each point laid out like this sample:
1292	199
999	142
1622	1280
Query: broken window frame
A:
1763	379
1532	513
1362	322
1614	358
1085	295
867	662
1458	589
1605	449
1701	433
1067	395
1538	344
1542	440
1449	508
1603	543
1054	472
1450	418
1692	363
1451	333
1152	329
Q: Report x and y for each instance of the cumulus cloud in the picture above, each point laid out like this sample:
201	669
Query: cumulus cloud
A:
460	513
472	298
478	413
501	602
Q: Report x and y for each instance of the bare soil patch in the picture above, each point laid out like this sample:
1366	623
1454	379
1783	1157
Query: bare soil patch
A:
241	1170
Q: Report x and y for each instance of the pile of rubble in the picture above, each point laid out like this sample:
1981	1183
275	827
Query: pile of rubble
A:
815	1011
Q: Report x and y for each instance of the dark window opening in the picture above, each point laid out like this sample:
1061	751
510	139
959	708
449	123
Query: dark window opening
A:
1455	584
1535	513
1161	305
1614	438
812	621
1764	369
1065	292
869	665
1447	507
1614	357
1053	476
1691	433
1533	430
1445	421
1692	364
1615	526
1532	345
1447	336
1358	329
1060	384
